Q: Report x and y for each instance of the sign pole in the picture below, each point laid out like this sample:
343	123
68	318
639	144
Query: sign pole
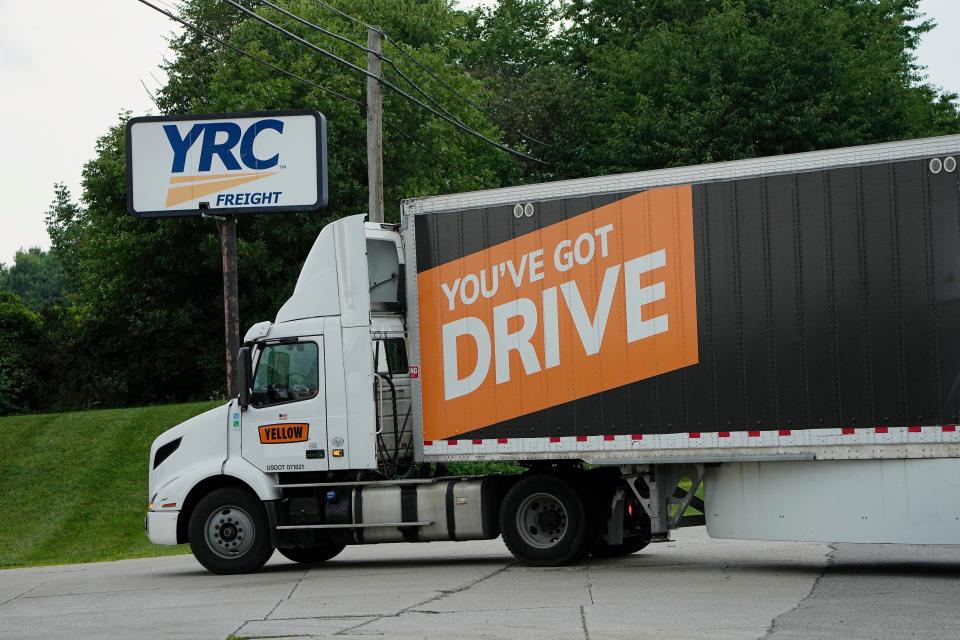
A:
231	307
374	126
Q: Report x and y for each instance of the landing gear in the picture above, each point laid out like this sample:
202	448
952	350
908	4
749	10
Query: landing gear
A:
229	532
545	522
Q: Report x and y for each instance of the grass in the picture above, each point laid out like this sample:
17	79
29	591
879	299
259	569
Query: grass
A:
73	486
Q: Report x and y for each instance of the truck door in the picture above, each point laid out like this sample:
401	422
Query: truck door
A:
284	428
392	387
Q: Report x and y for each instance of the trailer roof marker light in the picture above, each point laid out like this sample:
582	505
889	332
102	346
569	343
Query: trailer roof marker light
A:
581	438
554	439
882	430
784	432
753	434
637	436
428	443
694	435
609	438
914	428
451	443
848	431
477	441
501	440
949	428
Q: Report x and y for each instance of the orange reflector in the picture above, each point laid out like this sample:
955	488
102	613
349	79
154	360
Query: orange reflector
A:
167	505
337	453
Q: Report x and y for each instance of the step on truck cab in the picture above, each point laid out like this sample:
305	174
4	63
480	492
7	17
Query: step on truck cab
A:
780	336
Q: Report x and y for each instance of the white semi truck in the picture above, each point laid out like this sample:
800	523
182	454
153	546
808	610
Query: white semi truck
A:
784	332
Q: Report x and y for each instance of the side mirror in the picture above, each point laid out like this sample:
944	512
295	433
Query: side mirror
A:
244	377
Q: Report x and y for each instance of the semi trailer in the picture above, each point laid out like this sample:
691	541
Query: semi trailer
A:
782	332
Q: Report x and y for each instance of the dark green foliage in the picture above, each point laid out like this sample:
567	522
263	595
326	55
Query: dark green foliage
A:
148	313
21	344
630	85
37	277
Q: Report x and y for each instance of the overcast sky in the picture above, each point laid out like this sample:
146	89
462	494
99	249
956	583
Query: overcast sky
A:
67	69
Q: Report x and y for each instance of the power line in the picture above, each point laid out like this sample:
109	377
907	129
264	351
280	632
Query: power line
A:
446	85
360	47
258	59
390	126
322	30
343	14
452	120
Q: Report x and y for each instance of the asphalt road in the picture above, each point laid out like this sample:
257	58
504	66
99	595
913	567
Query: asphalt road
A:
691	588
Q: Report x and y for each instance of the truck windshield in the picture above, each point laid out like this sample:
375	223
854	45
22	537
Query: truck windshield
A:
286	373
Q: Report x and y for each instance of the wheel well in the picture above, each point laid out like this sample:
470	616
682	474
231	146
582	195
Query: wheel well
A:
202	488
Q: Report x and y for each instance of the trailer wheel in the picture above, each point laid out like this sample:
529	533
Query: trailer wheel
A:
229	532
312	555
544	522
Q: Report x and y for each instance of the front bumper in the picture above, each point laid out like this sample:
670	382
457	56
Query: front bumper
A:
162	526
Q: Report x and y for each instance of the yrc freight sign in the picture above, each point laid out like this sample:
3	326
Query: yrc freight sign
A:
598	301
227	163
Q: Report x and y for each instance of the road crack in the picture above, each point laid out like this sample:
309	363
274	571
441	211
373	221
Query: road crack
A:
24	594
823	572
440	596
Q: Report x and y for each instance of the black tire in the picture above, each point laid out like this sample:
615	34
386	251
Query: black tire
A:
237	524
312	555
630	545
545	522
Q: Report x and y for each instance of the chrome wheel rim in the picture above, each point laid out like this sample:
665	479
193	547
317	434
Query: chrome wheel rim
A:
541	520
230	532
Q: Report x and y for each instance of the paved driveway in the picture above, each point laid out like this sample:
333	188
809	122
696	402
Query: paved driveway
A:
691	588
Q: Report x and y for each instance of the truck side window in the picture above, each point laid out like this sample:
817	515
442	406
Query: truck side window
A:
392	356
383	268
286	373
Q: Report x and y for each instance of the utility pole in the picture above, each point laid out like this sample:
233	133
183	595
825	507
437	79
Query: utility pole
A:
374	126
231	307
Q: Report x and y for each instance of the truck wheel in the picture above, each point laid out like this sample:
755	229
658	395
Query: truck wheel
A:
545	522
229	532
628	546
312	555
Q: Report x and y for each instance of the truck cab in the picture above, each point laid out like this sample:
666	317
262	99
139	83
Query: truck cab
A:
325	392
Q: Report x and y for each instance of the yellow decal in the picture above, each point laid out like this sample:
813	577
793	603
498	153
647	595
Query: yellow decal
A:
284	433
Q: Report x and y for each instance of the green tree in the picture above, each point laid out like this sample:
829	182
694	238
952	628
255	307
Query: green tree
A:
37	277
656	83
148	315
591	86
21	355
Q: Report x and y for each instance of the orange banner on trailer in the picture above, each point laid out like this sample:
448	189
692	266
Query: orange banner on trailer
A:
595	302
